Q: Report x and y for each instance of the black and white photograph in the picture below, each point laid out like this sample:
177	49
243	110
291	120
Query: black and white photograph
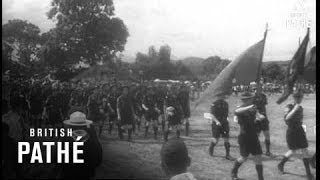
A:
159	89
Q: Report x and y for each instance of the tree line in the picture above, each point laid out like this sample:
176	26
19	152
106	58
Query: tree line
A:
87	33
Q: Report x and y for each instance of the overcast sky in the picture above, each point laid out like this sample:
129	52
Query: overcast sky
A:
199	28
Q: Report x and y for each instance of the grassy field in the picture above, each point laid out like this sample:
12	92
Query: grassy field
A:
141	158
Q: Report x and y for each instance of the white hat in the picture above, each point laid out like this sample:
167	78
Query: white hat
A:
77	119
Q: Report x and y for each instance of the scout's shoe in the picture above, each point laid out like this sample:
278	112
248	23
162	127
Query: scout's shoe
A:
228	157
281	165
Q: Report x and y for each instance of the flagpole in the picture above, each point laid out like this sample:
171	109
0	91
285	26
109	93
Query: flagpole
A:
299	81
260	64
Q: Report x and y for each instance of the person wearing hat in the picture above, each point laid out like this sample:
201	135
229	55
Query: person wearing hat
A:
132	92
248	139
260	100
184	100
82	130
160	96
112	107
35	104
175	160
125	112
174	114
138	98
151	111
295	135
220	125
53	108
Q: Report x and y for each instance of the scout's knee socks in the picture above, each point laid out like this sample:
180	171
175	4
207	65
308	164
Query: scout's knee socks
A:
267	142
129	134
163	125
307	166
234	171
259	169
187	128
227	147
166	134
178	133
139	123
134	127
120	132
155	132
281	164
146	131
110	127
211	148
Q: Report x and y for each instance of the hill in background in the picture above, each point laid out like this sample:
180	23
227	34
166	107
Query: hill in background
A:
210	67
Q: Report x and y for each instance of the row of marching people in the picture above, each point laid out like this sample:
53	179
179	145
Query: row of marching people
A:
252	118
162	107
122	107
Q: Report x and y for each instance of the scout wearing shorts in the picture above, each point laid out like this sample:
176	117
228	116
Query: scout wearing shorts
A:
112	108
295	136
151	112
184	100
125	112
220	126
248	139
173	113
260	100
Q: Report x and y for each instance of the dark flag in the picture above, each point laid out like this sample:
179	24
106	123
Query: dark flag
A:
295	69
243	70
310	66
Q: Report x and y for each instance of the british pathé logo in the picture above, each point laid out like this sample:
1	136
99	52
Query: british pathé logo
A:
299	16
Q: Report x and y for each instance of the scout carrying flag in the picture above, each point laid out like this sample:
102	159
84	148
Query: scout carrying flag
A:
243	70
295	69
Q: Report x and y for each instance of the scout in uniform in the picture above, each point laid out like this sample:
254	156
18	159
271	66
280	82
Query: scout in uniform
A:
260	100
173	113
112	105
35	103
160	96
295	136
220	125
125	112
184	100
248	139
93	106
151	111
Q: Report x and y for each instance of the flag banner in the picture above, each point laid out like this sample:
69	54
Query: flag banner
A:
310	59
309	73
295	69
242	70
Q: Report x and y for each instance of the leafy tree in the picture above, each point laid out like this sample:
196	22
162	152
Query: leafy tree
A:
152	53
273	72
165	53
86	31
24	35
214	65
183	72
